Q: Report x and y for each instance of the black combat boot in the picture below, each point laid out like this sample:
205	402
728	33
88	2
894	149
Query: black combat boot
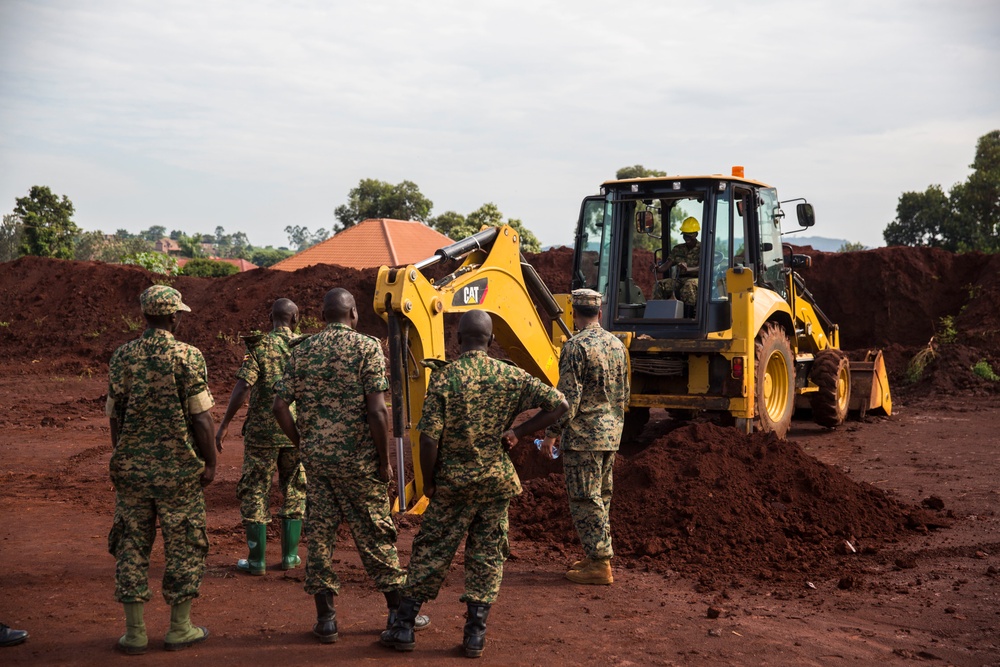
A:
400	635
326	618
392	602
474	640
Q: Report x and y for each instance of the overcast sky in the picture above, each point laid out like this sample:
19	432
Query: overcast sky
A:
256	115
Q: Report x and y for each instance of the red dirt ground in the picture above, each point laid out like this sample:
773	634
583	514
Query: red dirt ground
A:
732	549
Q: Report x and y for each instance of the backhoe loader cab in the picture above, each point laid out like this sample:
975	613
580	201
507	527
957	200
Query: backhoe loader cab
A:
739	226
727	325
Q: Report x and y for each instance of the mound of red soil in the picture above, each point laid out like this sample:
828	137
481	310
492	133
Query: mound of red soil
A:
708	498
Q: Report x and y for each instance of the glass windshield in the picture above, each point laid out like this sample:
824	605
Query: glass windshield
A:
772	261
593	246
722	253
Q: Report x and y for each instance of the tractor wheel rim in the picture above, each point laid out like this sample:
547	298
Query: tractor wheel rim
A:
775	387
843	384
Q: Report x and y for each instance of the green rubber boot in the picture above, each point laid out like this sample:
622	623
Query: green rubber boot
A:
134	641
291	531
257	541
182	634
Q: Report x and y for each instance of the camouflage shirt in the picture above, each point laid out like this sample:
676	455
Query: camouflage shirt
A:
328	377
470	403
681	254
264	365
155	384
593	375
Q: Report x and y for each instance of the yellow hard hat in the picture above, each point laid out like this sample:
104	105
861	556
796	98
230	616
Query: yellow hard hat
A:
690	226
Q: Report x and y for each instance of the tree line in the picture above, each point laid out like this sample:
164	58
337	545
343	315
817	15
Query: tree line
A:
42	225
965	218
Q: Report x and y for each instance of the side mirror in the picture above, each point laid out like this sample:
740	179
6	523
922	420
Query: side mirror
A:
644	222
806	215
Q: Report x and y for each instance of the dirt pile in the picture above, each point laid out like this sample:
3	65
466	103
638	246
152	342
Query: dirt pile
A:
704	498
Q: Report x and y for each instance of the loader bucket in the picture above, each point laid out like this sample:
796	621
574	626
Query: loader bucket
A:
870	385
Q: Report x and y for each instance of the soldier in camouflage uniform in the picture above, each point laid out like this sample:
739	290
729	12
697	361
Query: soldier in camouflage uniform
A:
266	448
161	431
469	477
686	257
337	380
593	375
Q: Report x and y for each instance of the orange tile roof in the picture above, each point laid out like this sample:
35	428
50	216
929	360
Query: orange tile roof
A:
372	242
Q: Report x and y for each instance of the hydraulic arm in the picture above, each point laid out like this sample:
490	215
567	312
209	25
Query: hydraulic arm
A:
493	277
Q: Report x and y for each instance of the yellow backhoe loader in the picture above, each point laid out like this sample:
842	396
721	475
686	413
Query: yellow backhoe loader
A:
733	329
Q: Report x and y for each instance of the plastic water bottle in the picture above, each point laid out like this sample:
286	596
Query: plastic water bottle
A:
555	448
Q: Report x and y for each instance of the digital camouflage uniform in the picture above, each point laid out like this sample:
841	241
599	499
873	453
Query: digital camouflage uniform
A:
156	384
328	377
593	375
685	288
469	404
266	447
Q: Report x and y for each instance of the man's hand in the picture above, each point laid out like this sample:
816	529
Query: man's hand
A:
430	488
220	436
208	475
385	472
509	439
548	446
682	268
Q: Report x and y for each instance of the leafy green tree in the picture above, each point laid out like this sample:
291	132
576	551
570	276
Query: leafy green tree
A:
49	229
190	245
156	262
449	223
378	199
95	246
208	268
10	237
637	171
921	218
490	215
967	218
849	246
230	246
269	256
154	233
457	226
977	201
301	238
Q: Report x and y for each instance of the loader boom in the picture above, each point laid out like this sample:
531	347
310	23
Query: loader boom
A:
492	277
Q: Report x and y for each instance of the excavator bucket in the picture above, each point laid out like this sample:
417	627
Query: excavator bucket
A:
870	385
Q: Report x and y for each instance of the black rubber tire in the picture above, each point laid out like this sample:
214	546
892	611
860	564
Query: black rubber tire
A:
831	372
775	381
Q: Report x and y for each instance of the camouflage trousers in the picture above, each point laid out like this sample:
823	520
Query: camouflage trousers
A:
185	544
685	288
362	503
254	488
445	523
589	486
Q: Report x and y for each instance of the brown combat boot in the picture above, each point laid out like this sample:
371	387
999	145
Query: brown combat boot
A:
579	564
596	572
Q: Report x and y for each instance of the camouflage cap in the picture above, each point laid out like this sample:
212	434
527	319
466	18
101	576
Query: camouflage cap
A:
586	297
161	300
